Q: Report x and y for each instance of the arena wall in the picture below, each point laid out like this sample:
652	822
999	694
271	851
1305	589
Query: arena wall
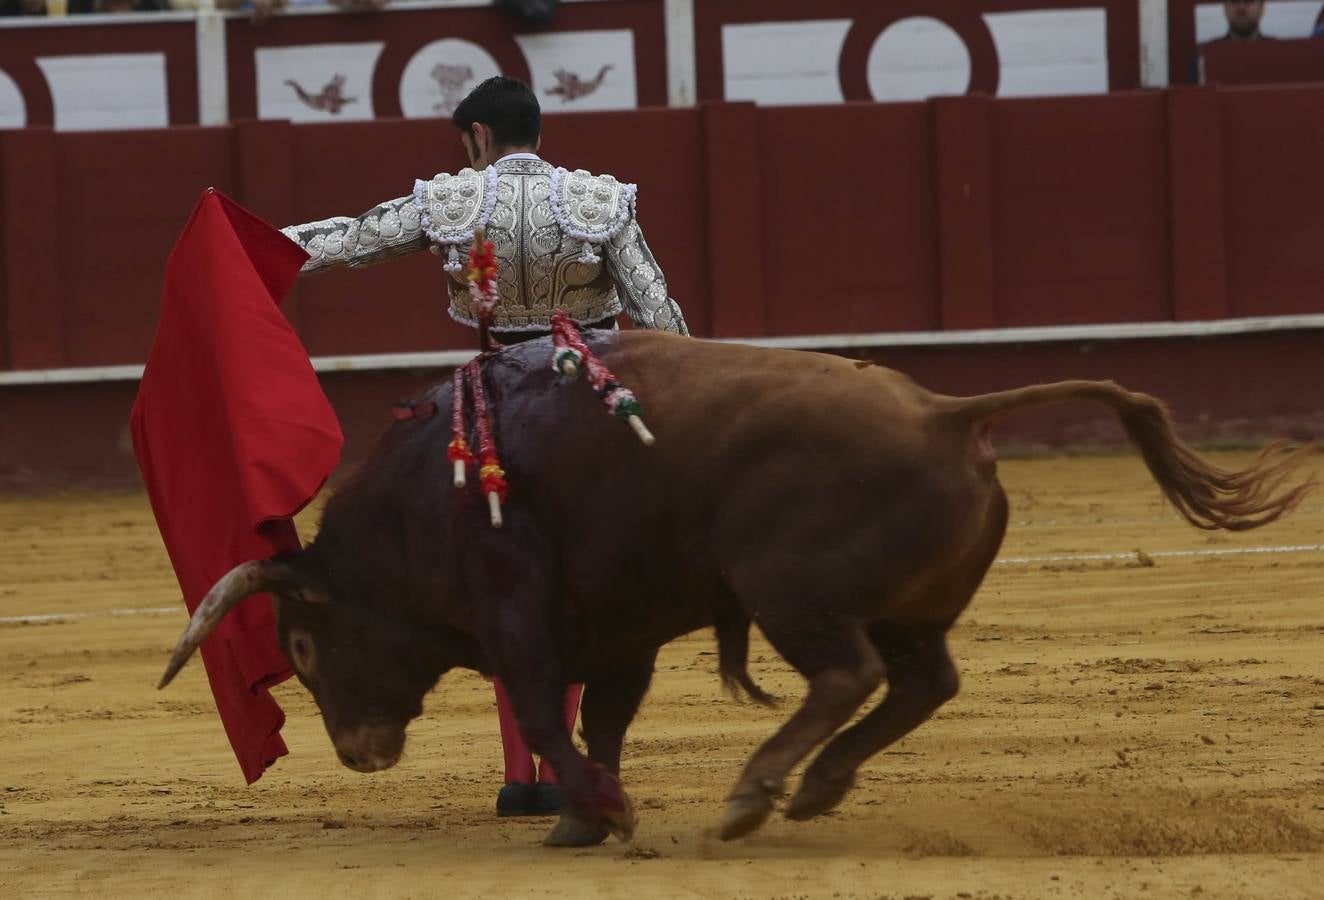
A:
1229	390
1185	205
417	59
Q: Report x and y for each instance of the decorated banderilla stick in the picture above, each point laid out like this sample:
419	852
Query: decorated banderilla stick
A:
468	379
571	352
490	473
458	452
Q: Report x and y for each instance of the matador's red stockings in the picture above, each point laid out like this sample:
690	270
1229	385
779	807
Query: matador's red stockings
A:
519	759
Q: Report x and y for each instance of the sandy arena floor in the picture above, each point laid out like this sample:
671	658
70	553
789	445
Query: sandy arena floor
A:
1124	730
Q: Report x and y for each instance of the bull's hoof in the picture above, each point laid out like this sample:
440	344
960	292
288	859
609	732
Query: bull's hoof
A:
622	821
574	829
818	794
745	813
613	804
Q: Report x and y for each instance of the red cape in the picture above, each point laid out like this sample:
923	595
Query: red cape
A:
234	436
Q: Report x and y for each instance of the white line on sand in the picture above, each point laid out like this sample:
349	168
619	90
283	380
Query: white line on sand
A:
1006	561
75	616
1158	554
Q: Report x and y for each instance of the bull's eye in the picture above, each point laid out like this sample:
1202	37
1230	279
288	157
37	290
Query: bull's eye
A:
301	652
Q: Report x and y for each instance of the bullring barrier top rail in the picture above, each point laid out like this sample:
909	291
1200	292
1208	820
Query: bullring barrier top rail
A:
442	359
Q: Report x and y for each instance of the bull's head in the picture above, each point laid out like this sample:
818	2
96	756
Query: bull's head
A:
368	672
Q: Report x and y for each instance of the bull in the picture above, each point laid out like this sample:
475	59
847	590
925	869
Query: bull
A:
845	510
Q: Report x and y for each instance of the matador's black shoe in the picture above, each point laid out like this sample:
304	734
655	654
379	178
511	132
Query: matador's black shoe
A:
549	801
517	799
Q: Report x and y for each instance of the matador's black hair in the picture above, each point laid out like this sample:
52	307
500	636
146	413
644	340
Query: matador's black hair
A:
507	106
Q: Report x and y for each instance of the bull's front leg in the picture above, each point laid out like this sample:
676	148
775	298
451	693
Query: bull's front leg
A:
513	594
611	699
596	805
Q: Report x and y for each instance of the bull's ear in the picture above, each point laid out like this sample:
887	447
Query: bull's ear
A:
301	579
305	594
244	580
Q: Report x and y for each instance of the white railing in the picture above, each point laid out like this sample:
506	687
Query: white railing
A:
1153	43
982	337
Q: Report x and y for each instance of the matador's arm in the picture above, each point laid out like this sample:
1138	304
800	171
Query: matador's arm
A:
639	280
385	232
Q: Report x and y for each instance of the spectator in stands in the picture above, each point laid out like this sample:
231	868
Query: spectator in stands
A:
80	7
532	12
265	9
118	6
22	7
1243	20
262	9
1243	24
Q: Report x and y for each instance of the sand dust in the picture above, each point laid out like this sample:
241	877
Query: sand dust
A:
1123	730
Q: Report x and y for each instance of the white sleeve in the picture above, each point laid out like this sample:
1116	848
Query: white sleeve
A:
639	280
385	232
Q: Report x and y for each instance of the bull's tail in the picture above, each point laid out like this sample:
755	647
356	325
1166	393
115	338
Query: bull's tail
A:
1207	496
732	628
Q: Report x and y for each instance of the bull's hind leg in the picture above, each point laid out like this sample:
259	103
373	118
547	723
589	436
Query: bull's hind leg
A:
610	701
843	669
920	678
920	674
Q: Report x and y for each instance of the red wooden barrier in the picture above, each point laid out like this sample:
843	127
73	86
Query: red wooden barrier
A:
34	321
1195	173
850	219
963	137
1081	210
1273	198
1264	62
956	213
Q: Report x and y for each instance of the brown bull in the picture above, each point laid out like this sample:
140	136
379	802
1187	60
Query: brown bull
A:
848	512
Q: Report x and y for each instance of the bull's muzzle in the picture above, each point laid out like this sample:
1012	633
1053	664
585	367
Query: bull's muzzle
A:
369	747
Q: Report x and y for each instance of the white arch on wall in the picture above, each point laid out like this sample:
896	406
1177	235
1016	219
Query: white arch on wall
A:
13	111
918	57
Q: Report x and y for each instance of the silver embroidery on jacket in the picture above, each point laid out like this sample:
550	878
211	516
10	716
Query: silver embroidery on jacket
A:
563	240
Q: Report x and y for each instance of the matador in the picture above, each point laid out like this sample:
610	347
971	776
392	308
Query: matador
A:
564	240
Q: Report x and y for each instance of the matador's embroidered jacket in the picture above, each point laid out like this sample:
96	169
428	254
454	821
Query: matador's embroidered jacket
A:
564	240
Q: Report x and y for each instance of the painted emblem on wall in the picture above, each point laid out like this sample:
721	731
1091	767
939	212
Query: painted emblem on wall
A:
331	98
570	87
452	81
584	70
440	74
292	82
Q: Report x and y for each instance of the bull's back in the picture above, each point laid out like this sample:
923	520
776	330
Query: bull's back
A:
834	476
717	410
771	467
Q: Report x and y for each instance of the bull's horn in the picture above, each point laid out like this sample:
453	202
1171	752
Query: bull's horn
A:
244	580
